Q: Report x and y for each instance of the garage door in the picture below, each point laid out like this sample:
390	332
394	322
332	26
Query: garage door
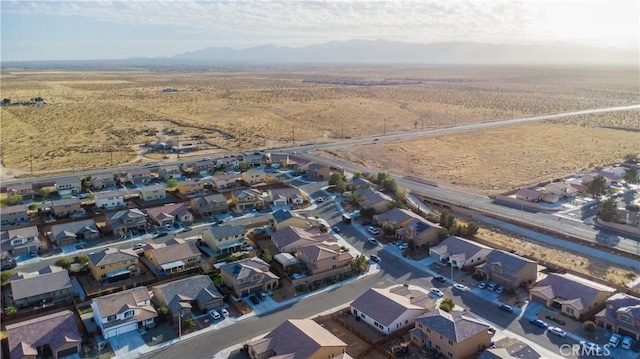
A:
66	352
120	330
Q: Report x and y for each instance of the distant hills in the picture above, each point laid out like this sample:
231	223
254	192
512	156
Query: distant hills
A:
390	52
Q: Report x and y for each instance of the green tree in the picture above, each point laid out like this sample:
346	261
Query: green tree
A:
172	183
32	206
4	276
64	262
163	313
340	186
589	326
597	186
44	192
389	184
91	196
381	177
266	256
359	264
388	229
188	322
82	259
243	166
355	198
447	304
11	200
335	177
10	310
367	212
608	211
443	234
630	175
447	220
358	175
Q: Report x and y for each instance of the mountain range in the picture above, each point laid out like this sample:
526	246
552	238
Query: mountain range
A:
389	52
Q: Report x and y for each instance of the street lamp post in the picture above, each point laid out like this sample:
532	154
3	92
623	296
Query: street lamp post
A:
180	326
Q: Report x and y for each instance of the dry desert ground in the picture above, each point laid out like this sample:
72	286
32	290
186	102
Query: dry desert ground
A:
94	119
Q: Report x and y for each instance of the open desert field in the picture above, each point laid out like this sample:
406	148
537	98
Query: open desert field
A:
94	118
495	160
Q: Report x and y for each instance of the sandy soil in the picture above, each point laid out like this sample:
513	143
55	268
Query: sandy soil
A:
495	160
94	116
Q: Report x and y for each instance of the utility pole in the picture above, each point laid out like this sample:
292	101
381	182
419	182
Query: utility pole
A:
384	131
342	135
293	135
178	145
31	158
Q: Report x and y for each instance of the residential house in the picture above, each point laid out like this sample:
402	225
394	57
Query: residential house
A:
14	215
24	190
298	339
121	222
318	171
102	180
191	186
50	285
208	205
20	241
123	312
225	180
621	315
609	177
173	256
460	252
139	175
629	217
113	264
224	239
455	334
170	171
227	162
397	217
49	336
371	198
509	270
254	176
561	189
247	198
181	295
253	160
169	214
68	185
299	163
290	239
576	297
153	192
109	199
202	167
71	232
66	207
248	276
286	196
420	231
385	310
529	195
325	258
283	219
279	159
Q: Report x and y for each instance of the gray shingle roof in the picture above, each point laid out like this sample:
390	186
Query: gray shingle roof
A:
456	325
176	251
460	247
382	305
65	202
281	215
570	288
111	255
227	231
119	302
47	280
55	329
246	268
507	260
396	216
372	197
199	287
64	230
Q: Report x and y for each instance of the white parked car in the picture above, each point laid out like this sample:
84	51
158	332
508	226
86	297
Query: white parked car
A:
557	331
373	241
626	342
214	314
615	339
436	292
224	312
461	287
403	246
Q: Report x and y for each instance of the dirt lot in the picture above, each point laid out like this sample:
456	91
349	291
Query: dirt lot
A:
355	344
92	118
495	160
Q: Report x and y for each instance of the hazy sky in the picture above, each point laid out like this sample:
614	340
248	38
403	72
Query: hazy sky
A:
56	30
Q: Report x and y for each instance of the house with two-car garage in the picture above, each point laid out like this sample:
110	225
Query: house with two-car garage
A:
123	312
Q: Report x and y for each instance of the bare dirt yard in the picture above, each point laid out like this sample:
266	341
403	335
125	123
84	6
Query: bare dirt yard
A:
495	160
94	118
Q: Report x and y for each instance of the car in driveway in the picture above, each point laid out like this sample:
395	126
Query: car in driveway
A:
214	314
557	331
375	258
336	229
373	230
626	343
440	278
138	246
482	285
403	246
224	312
373	241
168	227
506	308
615	340
437	292
500	289
254	299
461	287
538	323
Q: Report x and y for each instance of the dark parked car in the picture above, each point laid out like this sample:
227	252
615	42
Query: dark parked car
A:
439	278
538	323
161	234
8	265
254	299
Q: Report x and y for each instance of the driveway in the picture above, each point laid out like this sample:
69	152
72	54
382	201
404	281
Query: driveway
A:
127	345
